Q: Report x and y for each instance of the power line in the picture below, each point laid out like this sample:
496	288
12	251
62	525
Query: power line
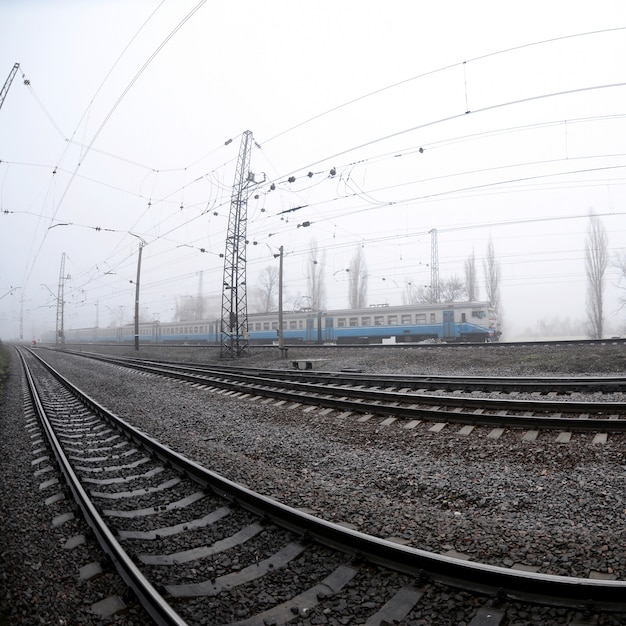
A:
443	69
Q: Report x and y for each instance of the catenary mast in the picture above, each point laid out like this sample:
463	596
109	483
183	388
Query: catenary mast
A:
234	298
434	266
60	331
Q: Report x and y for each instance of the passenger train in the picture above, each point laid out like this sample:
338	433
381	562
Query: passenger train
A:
451	322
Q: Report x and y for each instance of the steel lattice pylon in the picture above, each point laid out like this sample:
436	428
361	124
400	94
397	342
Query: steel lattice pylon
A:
234	297
7	84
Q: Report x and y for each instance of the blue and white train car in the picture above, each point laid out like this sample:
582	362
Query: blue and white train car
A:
453	322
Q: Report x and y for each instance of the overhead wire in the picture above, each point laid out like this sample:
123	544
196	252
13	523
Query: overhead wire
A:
443	69
112	110
408	130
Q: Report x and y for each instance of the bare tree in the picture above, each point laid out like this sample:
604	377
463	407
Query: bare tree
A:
267	291
620	264
596	261
357	286
409	294
471	282
424	295
317	286
451	289
492	278
418	294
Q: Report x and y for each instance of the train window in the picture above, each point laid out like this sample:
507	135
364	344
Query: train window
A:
341	322
266	325
432	318
478	314
405	319
420	318
354	321
379	320
366	321
392	319
300	324
293	324
195	330
463	318
274	325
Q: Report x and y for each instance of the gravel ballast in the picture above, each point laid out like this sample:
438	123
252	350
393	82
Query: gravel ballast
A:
555	507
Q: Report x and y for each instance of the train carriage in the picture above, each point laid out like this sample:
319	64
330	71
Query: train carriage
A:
453	322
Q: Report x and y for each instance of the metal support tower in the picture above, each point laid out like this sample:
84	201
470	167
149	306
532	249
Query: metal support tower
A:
7	84
141	245
434	266
60	334
234	298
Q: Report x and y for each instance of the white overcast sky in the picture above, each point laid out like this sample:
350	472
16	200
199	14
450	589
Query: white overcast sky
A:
488	119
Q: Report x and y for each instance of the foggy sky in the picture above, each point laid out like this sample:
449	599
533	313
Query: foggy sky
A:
481	120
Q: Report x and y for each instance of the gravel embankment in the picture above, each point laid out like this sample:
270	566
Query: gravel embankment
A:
557	507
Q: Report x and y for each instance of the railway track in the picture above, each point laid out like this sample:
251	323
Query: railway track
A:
541	385
219	553
408	397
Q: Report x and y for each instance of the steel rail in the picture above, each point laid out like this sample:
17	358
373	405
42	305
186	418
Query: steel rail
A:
542	384
530	587
529	384
400	404
155	605
489	345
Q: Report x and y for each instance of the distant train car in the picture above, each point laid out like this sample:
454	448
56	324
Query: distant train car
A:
453	322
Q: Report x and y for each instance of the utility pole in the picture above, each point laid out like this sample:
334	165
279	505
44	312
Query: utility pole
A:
234	324
434	266
60	332
281	328
141	244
